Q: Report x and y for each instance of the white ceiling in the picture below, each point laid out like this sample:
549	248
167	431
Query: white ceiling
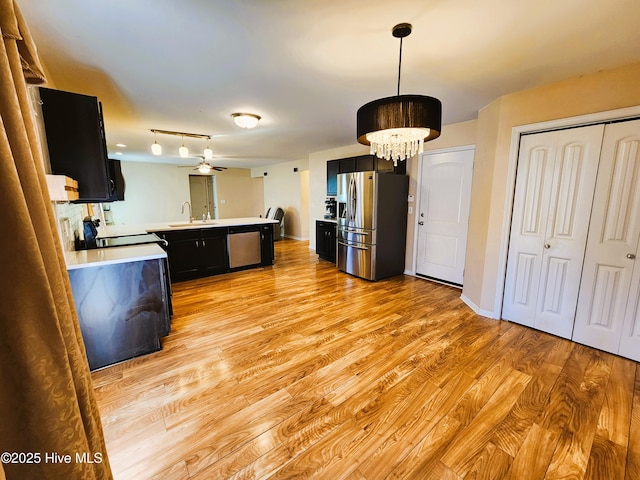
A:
306	66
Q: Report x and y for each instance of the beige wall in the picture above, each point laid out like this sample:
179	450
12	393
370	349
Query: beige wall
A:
155	193
239	194
318	181
601	91
287	189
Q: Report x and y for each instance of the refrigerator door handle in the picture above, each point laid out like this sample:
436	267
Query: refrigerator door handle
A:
353	200
352	246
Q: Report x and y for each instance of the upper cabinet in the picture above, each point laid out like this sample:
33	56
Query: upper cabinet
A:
76	142
361	163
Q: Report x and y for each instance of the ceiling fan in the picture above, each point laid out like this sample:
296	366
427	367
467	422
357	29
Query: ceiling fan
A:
205	167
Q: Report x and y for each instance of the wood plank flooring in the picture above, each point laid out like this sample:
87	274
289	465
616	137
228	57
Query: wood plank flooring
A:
301	371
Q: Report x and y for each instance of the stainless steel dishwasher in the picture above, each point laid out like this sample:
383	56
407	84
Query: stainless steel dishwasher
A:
244	247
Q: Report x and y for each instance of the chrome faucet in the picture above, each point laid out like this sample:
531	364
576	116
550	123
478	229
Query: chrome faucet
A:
182	211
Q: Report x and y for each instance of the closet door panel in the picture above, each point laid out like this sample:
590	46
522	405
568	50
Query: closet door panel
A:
531	204
607	306
554	190
574	179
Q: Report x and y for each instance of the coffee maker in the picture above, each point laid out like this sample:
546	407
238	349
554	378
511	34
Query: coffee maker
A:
330	208
90	229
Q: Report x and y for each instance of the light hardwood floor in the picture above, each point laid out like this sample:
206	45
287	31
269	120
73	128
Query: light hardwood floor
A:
300	371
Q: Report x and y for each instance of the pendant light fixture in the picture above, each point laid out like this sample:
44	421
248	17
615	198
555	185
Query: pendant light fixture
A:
156	148
208	153
397	127
183	151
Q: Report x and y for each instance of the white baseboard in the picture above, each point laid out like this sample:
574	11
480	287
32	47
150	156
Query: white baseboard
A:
478	310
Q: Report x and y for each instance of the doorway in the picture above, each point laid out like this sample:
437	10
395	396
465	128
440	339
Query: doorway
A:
204	196
443	214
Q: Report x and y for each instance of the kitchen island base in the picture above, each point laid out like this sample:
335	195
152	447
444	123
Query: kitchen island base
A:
123	309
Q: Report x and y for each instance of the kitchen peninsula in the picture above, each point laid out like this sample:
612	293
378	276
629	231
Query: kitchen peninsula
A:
197	249
122	294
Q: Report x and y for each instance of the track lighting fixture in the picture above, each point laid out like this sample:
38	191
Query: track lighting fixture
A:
183	151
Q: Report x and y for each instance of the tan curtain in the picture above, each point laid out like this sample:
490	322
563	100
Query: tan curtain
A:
47	404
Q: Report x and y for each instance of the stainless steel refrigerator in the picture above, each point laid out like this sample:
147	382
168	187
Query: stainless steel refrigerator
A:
372	223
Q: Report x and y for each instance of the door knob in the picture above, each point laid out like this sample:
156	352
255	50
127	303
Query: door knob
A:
420	223
631	256
547	246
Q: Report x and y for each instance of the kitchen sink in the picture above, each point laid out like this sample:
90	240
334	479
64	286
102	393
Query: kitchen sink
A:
192	224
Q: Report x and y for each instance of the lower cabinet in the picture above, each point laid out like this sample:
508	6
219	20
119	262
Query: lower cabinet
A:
213	248
326	240
266	239
196	252
200	252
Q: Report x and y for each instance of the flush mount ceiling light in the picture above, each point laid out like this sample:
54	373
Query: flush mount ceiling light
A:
397	127
245	120
183	151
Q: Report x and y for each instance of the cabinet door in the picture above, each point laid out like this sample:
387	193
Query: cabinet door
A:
347	165
554	192
116	181
213	251
184	253
321	240
266	238
365	163
608	274
331	242
333	167
75	140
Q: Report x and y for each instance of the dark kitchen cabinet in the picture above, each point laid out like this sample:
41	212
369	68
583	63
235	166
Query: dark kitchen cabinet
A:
183	252
196	252
76	142
116	181
361	163
266	244
333	167
200	252
214	250
326	240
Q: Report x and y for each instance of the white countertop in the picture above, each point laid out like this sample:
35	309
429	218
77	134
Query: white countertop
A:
117	230
110	256
136	253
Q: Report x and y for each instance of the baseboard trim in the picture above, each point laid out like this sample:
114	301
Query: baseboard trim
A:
301	239
478	310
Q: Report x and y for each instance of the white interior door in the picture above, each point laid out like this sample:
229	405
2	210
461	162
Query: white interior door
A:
443	217
555	180
607	316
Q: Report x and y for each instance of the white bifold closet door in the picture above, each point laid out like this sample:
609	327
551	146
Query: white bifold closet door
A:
608	314
555	180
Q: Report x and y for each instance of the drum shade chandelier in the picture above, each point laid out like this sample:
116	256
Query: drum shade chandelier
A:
397	127
183	151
